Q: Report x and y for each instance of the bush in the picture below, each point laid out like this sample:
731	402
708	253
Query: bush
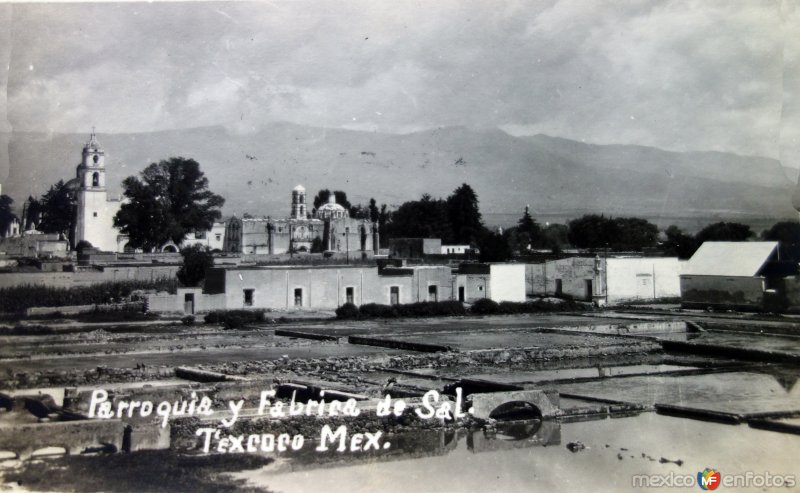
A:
485	306
428	309
348	311
188	320
374	310
18	298
235	319
126	314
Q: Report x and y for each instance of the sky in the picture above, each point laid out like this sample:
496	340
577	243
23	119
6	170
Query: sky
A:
680	75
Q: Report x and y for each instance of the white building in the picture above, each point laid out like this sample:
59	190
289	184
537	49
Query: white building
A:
95	211
455	249
610	280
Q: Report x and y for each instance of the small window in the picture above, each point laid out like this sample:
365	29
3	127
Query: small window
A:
96	158
394	295
248	297
480	288
219	237
94	214
349	294
95	179
298	297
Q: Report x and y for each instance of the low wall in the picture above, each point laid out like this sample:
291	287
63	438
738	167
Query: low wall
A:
722	291
174	303
87	277
75	309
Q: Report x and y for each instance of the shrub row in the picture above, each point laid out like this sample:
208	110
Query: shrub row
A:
19	298
423	309
126	314
488	307
349	311
235	319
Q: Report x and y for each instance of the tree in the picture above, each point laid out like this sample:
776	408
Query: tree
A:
322	198
6	213
373	211
170	200
622	233
317	246
589	231
788	234
31	214
465	218
526	233
384	216
681	244
197	260
723	231
556	237
633	233
57	207
494	247
424	218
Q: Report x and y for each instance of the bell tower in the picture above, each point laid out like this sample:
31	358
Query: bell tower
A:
299	202
92	170
92	223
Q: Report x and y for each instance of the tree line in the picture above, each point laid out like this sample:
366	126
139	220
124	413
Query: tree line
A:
171	198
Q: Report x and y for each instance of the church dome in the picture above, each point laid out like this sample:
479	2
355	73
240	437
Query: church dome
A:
331	209
299	188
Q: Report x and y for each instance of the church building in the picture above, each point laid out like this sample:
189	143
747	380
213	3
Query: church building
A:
331	227
95	213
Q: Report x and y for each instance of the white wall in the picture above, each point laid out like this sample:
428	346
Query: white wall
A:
507	282
96	220
643	278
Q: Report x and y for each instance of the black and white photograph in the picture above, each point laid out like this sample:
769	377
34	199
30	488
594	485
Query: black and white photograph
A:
282	246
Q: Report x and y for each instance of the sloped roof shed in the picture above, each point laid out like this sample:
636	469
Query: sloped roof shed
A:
730	258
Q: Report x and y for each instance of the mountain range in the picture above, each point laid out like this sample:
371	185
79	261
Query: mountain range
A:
557	177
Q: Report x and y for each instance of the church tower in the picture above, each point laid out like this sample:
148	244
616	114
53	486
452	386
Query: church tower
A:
92	221
299	202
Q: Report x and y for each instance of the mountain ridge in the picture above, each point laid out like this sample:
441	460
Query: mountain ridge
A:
256	171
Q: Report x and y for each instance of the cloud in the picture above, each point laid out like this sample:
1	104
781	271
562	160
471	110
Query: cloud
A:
678	74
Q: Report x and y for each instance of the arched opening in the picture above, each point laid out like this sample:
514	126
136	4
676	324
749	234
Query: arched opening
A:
170	249
96	158
518	430
95	179
302	249
515	411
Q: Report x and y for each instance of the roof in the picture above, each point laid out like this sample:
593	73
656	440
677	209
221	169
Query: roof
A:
730	258
299	188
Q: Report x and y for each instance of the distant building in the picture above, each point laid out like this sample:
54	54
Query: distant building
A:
610	280
738	275
213	239
35	244
13	228
414	247
495	281
331	227
328	287
304	288
455	249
